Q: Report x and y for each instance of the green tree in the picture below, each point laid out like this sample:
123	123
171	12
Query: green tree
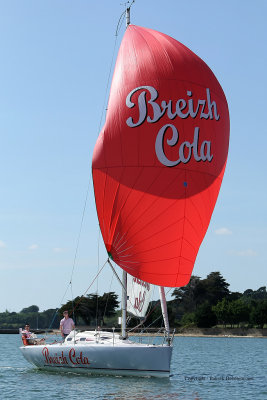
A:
234	296
231	312
238	311
87	309
216	288
31	309
72	307
154	317
186	296
259	294
258	315
221	310
49	319
188	319
248	293
108	305
204	316
41	319
188	299
93	308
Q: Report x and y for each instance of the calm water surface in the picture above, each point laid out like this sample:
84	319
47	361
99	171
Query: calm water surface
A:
202	368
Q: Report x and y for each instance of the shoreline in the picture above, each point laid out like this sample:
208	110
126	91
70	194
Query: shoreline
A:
192	332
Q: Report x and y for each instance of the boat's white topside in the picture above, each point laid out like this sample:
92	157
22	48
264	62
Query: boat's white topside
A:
99	337
87	338
100	352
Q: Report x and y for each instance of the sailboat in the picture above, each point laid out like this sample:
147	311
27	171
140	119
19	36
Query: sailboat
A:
102	352
157	169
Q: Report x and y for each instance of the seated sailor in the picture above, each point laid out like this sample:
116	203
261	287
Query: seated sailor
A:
26	335
29	338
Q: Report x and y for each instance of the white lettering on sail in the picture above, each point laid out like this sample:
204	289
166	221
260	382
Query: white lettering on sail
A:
150	111
146	285
139	301
158	111
139	296
159	147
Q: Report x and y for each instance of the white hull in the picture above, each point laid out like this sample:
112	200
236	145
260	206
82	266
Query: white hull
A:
95	355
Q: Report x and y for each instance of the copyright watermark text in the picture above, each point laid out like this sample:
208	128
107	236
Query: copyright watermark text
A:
200	378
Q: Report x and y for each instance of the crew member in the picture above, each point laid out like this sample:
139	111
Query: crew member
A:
66	325
26	335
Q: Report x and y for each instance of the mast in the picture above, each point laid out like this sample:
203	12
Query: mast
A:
123	284
124	305
164	309
127	16
124	273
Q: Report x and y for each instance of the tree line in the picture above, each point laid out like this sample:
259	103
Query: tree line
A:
89	310
208	302
202	303
93	309
30	315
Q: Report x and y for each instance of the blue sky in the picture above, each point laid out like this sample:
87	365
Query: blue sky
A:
55	60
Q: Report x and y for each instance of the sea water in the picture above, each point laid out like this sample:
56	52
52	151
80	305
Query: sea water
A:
201	369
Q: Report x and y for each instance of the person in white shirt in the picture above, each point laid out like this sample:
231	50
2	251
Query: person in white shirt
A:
26	335
66	325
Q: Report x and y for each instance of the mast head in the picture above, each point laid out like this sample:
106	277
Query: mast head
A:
127	16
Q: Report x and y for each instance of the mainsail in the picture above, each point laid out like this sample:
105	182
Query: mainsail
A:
160	158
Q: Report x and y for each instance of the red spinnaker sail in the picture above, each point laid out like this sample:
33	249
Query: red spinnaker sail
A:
159	160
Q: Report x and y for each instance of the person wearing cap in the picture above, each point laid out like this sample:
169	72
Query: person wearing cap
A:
66	325
26	332
26	335
29	338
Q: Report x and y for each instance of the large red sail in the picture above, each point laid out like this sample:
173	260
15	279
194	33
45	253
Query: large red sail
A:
159	160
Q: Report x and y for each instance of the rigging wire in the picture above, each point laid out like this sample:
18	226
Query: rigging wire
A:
118	28
55	313
119	24
86	197
104	314
76	305
90	179
90	175
122	15
148	314
118	278
98	242
91	284
80	230
100	123
70	284
104	107
78	243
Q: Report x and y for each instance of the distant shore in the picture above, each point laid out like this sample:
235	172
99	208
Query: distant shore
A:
223	332
180	332
215	332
